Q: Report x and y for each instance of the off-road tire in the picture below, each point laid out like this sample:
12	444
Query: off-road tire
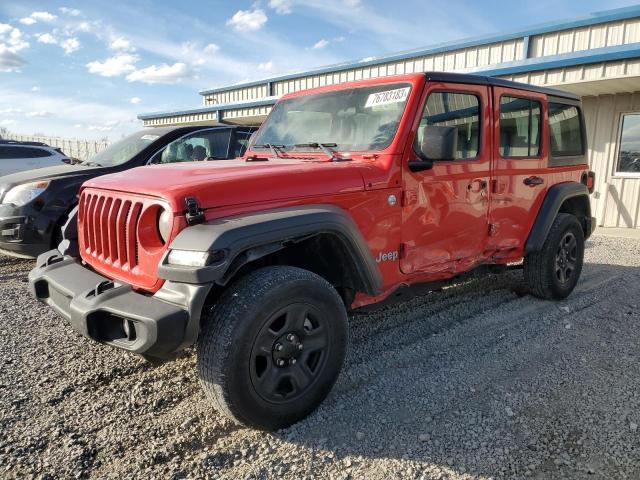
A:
227	358
541	272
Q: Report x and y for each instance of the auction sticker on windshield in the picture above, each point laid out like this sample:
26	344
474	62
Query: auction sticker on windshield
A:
389	96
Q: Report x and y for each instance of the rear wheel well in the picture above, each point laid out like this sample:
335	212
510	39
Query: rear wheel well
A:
580	208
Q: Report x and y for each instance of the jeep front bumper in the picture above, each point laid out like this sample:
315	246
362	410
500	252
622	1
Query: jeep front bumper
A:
114	314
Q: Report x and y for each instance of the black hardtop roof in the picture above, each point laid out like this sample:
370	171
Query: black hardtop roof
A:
498	82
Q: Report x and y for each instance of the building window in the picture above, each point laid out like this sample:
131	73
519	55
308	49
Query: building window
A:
629	156
519	127
565	130
459	110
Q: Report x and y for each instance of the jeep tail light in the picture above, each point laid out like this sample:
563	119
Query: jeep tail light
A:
589	179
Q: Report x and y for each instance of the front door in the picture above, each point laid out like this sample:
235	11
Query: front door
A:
445	208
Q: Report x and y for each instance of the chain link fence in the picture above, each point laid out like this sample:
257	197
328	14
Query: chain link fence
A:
72	147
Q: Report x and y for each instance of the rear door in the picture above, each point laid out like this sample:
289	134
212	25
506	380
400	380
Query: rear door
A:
518	170
445	208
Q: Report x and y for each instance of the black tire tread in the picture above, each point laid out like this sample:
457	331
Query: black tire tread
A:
537	274
215	342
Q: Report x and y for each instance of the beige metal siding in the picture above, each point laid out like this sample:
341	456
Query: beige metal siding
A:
616	200
585	38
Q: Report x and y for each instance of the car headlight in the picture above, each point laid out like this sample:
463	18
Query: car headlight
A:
23	194
164	224
188	258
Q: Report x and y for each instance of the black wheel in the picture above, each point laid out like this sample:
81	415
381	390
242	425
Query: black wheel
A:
273	346
553	272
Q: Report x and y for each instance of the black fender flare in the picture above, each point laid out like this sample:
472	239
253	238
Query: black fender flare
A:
555	197
245	238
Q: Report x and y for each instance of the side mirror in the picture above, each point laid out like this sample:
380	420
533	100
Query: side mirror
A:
438	143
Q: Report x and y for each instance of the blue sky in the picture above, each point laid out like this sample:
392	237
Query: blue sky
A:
86	69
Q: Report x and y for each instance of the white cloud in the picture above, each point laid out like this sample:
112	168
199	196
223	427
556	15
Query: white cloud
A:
282	7
135	100
83	27
35	89
352	3
10	111
70	45
320	44
113	66
38	17
211	48
266	67
39	114
11	38
11	42
122	44
160	74
248	20
47	38
74	12
8	121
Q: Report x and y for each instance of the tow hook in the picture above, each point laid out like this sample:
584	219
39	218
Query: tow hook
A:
194	214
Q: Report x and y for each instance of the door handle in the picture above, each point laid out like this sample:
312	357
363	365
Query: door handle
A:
481	183
533	181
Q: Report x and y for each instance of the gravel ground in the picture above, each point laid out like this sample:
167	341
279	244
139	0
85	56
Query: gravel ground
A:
476	381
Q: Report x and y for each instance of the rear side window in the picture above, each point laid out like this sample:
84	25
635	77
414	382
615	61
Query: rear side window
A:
459	110
23	152
565	130
519	127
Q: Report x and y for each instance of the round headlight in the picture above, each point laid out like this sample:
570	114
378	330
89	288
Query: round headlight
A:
164	224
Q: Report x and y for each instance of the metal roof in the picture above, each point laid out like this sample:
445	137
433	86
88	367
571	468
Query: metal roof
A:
591	19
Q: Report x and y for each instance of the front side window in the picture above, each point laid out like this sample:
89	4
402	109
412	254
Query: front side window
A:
565	130
354	119
629	156
201	145
519	127
458	110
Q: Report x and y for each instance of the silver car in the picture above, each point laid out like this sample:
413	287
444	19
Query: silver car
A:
21	156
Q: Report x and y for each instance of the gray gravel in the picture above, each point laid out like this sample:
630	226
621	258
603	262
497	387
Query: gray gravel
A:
476	381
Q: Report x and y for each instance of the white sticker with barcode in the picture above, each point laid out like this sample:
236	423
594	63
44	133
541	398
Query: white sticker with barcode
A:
390	96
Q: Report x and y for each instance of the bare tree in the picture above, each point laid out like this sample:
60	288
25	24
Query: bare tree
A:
3	132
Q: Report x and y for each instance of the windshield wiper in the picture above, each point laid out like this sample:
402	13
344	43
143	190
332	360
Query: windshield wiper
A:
274	148
326	148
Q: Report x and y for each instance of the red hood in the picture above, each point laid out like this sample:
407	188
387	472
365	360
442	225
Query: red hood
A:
234	182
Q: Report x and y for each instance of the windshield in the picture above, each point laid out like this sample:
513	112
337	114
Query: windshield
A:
123	150
357	119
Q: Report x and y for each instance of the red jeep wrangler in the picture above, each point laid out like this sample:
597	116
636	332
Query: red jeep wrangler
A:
349	195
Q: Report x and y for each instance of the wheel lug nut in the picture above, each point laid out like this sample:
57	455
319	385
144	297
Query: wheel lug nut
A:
280	362
293	361
278	347
291	337
300	347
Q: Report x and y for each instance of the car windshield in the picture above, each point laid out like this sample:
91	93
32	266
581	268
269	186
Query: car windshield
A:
355	119
123	150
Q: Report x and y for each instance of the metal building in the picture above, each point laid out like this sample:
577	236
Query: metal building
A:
597	57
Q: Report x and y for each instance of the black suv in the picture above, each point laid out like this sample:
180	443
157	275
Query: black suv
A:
35	204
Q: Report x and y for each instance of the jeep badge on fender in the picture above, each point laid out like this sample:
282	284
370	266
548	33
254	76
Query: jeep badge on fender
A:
261	265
